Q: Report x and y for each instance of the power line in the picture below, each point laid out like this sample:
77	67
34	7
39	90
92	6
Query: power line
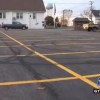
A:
65	3
71	3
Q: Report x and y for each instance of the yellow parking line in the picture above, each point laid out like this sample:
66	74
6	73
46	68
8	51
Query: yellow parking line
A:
89	82
45	80
65	44
68	53
4	56
35	81
79	43
48	39
69	43
72	53
92	76
4	46
12	46
51	54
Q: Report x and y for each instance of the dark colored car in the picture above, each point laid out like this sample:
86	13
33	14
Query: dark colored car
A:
14	25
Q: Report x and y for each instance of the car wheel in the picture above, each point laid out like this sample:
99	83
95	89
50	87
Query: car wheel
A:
6	28
89	29
95	29
23	28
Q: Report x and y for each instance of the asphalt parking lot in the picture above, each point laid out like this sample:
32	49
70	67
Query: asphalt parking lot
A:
49	64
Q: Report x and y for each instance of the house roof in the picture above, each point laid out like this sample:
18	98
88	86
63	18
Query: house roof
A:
27	5
81	19
96	13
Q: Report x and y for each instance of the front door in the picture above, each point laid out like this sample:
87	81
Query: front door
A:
31	23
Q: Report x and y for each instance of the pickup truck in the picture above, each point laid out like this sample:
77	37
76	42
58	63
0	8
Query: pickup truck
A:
14	25
91	27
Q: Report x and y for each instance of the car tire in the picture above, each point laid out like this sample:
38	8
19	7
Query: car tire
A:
95	29
6	28
23	28
89	29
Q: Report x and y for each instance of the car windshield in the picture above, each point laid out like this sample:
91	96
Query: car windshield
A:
18	23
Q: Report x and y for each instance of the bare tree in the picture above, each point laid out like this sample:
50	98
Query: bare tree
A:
86	13
67	14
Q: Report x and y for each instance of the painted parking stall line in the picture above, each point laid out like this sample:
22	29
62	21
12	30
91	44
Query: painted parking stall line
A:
46	80
49	54
89	82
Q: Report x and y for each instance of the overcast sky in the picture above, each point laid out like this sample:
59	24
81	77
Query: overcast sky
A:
76	5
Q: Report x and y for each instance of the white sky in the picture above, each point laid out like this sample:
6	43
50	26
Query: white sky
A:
76	5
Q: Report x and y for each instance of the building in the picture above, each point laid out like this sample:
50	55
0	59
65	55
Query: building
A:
96	16
78	23
30	12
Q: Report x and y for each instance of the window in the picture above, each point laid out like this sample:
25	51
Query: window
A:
2	15
19	15
98	21
14	18
34	15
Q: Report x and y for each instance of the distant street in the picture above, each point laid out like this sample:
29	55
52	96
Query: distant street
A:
49	64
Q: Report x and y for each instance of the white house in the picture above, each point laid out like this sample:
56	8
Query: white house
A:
96	16
30	12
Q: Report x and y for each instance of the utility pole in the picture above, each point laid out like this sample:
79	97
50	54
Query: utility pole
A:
54	8
91	8
63	17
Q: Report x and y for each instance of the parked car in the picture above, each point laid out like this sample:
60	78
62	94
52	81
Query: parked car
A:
15	25
91	27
